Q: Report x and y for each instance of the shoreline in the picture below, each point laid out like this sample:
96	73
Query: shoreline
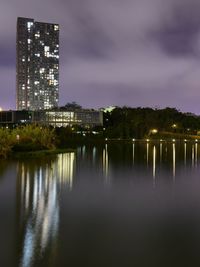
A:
72	148
38	153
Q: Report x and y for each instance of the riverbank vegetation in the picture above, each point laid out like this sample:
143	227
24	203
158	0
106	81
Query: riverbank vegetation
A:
135	123
147	122
121	123
26	138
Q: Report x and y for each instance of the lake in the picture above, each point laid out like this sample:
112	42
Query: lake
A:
118	204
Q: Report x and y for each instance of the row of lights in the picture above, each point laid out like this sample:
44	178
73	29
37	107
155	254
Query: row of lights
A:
173	140
161	140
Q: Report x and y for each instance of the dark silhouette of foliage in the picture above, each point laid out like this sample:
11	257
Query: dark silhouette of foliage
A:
138	122
71	106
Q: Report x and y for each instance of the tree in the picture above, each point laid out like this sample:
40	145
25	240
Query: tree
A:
33	137
7	141
72	105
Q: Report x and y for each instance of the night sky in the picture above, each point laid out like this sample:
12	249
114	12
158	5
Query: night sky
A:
114	52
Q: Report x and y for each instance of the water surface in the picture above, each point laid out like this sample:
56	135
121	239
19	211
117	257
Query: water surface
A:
135	204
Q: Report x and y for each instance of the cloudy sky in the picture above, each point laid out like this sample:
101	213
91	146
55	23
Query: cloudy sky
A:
114	52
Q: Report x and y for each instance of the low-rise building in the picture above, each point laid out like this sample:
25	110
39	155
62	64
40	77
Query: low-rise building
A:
56	118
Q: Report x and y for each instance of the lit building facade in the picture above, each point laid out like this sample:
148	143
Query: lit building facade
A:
64	118
37	65
55	118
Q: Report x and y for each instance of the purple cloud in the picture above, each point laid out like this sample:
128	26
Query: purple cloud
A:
130	52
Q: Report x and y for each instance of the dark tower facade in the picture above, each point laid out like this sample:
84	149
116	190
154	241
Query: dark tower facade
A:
37	65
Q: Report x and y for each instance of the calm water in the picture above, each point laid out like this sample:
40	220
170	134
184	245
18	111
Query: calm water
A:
114	205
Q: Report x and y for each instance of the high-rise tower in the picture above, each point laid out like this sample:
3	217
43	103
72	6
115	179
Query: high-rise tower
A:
37	65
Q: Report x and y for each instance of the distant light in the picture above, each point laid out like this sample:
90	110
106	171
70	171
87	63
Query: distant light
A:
154	131
147	140
196	140
1	109
185	140
174	126
133	140
161	140
46	48
109	109
56	27
106	139
173	140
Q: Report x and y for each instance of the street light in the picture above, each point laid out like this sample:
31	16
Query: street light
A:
154	131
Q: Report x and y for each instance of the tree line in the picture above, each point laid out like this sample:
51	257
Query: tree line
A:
139	122
125	123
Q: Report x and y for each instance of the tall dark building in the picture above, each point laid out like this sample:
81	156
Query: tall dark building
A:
37	64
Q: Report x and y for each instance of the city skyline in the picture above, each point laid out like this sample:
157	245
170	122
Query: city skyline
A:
37	68
135	53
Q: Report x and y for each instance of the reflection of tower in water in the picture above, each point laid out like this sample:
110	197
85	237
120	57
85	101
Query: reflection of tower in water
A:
38	207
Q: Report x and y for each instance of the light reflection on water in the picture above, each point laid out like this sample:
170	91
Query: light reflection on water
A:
174	162
39	190
106	164
85	203
154	165
163	156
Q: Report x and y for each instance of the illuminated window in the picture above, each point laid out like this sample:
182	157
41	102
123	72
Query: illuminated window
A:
46	48
56	27
29	24
42	70
37	35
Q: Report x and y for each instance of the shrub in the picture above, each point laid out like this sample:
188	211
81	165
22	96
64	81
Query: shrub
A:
33	137
7	141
